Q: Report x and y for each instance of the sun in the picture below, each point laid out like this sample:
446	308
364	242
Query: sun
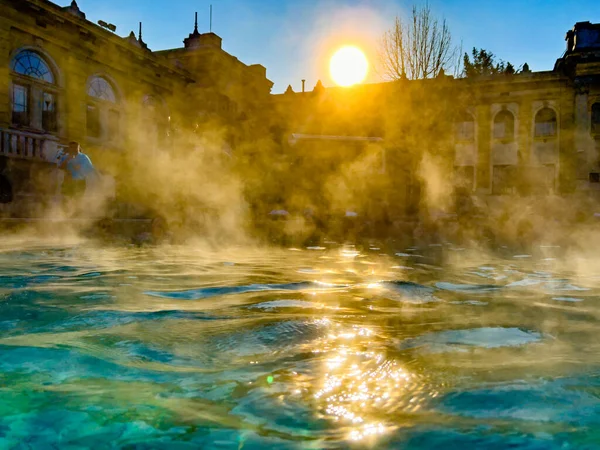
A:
348	66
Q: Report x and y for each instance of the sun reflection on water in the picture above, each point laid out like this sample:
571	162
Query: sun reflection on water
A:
360	388
349	253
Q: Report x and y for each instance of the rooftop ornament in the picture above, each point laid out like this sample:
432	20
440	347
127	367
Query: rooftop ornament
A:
193	40
74	9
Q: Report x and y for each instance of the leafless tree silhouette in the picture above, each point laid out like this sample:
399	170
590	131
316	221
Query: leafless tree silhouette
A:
420	47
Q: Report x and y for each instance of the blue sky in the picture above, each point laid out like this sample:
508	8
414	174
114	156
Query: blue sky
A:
294	39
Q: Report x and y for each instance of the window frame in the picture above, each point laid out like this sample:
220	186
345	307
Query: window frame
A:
505	179
507	137
107	131
16	60
36	89
554	134
105	87
51	119
27	105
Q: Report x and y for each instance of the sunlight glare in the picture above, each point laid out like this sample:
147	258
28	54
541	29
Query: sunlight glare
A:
348	66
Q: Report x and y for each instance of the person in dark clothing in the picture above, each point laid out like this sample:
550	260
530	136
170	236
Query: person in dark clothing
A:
6	190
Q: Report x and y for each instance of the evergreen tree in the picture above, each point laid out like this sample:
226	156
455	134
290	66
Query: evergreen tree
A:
484	63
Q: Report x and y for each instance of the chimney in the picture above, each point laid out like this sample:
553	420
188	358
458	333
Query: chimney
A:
303	81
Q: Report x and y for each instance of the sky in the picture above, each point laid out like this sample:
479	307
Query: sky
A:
294	39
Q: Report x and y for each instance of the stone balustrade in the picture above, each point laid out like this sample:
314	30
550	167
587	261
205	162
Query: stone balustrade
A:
24	145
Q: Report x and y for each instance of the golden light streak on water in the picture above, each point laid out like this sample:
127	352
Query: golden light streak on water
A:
359	387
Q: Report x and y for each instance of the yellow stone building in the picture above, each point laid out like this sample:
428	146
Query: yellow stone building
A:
530	133
65	78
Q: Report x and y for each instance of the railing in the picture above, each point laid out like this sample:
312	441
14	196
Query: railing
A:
19	144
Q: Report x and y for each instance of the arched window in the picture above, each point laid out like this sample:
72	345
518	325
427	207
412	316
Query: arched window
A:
32	65
100	89
545	123
103	114
596	119
504	126
465	128
33	92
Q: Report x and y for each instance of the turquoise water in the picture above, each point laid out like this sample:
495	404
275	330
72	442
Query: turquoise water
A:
297	349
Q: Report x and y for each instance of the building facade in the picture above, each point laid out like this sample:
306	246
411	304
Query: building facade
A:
529	133
537	131
65	78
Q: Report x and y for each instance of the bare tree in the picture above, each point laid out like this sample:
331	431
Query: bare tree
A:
418	48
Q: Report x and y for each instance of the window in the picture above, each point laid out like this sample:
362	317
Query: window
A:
545	123
504	126
34	92
20	105
100	89
49	112
31	65
465	128
504	180
103	114
596	119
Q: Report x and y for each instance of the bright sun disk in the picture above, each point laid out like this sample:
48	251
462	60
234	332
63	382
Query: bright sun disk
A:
348	66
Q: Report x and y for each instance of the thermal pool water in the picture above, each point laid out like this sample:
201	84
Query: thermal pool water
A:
309	348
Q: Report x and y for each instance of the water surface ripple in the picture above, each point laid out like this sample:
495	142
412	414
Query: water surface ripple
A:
296	349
